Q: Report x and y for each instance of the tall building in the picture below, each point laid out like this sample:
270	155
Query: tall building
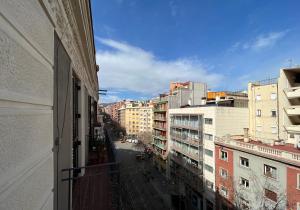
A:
192	131
186	94
48	99
260	168
160	126
136	117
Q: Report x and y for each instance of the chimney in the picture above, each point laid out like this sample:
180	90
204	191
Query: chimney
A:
246	135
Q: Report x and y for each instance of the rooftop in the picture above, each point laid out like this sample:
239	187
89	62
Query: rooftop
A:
283	153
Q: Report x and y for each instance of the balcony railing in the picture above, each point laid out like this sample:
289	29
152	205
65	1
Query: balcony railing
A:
161	146
191	126
160	110
161	137
267	151
194	156
160	118
293	92
158	127
187	139
292	110
184	163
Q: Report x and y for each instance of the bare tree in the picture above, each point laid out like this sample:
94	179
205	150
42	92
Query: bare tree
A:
265	194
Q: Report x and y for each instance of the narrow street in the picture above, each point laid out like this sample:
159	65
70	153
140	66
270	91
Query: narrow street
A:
142	185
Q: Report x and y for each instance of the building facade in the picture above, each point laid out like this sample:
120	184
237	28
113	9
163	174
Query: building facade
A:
160	138
263	163
136	117
48	96
192	132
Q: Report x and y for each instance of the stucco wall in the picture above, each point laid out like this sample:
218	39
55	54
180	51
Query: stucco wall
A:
26	127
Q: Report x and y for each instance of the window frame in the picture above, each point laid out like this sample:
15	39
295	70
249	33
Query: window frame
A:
245	182
221	174
272	111
265	190
212	152
258	97
221	154
221	190
271	167
273	94
258	113
242	164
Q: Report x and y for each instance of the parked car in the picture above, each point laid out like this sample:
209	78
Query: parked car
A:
135	141
129	140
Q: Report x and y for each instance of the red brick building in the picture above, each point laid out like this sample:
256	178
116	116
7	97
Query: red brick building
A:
224	178
293	189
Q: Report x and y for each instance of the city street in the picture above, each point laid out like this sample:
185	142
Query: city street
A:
142	187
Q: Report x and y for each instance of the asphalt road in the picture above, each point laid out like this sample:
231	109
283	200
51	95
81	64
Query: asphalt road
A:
142	186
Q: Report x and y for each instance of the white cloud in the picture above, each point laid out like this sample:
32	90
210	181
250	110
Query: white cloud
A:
109	98
260	42
129	68
267	40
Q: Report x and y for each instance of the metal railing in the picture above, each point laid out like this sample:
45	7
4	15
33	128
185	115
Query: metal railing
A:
97	187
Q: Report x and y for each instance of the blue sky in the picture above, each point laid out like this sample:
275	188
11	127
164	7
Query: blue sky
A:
142	45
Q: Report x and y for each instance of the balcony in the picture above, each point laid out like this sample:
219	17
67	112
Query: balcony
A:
159	110
161	146
284	153
292	93
193	156
161	128
163	119
293	128
186	126
292	110
184	163
196	142
163	138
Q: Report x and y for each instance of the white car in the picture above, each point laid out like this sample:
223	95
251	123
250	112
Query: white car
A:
135	141
129	140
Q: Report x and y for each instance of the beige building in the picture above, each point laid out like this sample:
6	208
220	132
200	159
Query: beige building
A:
192	132
263	110
274	109
136	117
48	95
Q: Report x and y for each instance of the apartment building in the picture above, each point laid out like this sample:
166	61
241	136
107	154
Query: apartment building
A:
160	126
263	110
254	175
192	131
112	110
261	168
136	117
186	94
48	98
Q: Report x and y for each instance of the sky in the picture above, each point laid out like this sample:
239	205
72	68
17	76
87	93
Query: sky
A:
143	45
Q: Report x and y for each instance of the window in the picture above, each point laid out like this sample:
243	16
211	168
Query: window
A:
224	191
270	171
208	121
209	168
273	96
208	136
244	182
298	181
244	162
273	113
258	113
271	195
209	152
223	155
223	173
292	135
209	184
274	129
258	97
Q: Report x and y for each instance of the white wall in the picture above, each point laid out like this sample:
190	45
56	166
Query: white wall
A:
26	89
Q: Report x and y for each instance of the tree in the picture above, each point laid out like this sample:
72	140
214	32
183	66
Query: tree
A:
265	194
